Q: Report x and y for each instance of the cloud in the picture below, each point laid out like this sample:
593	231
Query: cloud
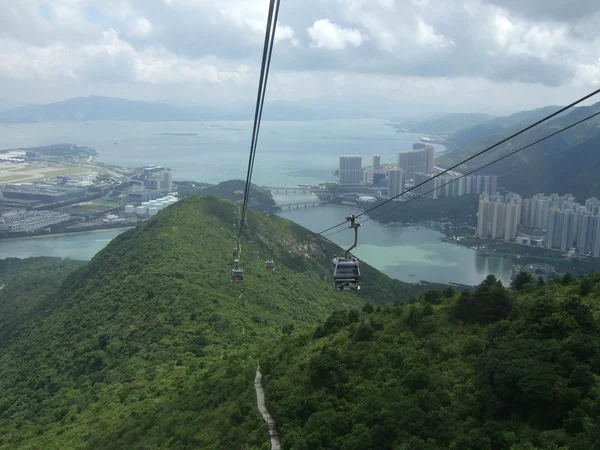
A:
140	28
330	36
214	47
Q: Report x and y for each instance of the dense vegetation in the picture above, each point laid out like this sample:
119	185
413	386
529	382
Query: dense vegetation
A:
150	346
566	163
25	285
492	369
463	208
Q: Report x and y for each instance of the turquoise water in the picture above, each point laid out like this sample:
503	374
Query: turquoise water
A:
75	246
409	254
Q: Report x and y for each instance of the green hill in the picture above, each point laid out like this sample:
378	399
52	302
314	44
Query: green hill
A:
566	163
149	345
259	199
492	369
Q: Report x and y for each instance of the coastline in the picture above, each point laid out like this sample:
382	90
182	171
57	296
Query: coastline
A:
40	236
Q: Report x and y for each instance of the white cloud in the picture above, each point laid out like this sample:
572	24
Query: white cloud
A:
330	36
427	37
213	48
140	28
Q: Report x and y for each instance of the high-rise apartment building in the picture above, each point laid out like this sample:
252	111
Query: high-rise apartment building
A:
167	181
395	182
421	160
498	216
376	163
350	169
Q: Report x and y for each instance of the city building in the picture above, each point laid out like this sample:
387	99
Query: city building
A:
167	181
43	193
153	183
149	170
421	160
376	163
367	176
22	220
395	182
498	216
350	169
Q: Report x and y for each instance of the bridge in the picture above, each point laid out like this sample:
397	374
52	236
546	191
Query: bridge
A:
291	206
292	190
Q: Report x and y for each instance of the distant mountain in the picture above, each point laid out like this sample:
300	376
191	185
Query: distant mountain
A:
99	108
496	126
108	108
444	124
567	163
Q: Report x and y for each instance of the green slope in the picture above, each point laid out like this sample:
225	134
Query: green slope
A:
27	283
566	163
495	369
150	346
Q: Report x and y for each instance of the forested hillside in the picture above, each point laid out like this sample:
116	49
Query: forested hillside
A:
491	369
566	163
149	345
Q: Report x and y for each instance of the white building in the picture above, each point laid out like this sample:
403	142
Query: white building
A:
395	182
376	163
350	169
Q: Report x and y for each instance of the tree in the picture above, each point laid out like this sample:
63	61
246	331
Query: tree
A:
522	279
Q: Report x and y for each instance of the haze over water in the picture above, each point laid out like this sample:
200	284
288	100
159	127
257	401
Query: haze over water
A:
288	153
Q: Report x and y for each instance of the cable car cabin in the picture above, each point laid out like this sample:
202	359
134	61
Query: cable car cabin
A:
346	273
235	251
237	276
270	266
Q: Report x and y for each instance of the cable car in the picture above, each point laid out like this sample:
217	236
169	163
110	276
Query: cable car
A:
346	273
237	275
270	266
235	251
346	269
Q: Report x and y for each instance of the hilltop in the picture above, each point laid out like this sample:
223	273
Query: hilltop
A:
259	199
492	369
149	345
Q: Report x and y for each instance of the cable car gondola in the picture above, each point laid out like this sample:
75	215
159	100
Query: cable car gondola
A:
346	269
237	275
270	266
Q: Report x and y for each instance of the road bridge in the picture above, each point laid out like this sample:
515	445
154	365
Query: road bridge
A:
292	190
291	206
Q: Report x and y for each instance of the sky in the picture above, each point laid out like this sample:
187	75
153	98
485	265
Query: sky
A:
402	57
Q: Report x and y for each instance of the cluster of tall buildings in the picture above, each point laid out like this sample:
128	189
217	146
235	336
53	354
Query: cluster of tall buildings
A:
567	224
499	216
558	221
452	186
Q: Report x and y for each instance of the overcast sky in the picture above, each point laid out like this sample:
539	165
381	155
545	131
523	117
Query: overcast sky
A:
407	55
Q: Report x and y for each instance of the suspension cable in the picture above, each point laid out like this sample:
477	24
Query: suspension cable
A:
262	85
